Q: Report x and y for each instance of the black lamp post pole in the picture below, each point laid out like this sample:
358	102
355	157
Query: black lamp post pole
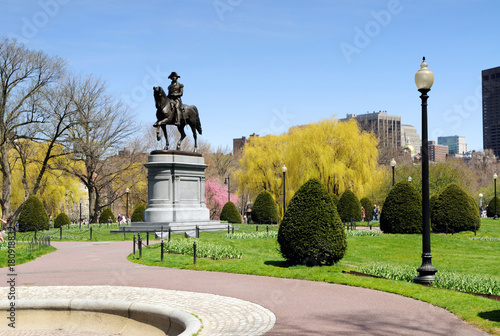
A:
393	180
126	213
427	270
496	215
80	221
284	193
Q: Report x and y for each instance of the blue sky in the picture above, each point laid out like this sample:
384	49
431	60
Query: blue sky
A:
264	66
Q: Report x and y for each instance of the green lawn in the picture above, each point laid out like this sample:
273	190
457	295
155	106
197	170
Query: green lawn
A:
77	233
450	253
23	253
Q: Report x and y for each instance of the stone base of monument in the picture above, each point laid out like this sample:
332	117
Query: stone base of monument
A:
176	195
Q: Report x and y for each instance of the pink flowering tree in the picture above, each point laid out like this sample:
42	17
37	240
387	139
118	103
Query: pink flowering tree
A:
216	197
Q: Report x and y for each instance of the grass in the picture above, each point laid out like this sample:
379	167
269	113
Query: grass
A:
77	233
23	253
451	253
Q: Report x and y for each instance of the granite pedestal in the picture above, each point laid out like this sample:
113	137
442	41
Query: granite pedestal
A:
176	194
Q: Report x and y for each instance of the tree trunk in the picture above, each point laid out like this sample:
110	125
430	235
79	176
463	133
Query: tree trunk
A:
6	183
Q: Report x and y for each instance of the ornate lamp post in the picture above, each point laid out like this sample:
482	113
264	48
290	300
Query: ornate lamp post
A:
495	178
227	181
409	179
424	78
283	169
393	165
80	221
126	213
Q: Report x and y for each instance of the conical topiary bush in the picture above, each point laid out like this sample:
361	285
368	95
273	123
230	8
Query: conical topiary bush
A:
61	219
138	214
490	211
33	216
311	232
230	213
349	207
455	211
264	209
402	211
367	204
105	214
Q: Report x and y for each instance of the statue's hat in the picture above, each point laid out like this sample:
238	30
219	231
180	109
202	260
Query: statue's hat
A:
174	74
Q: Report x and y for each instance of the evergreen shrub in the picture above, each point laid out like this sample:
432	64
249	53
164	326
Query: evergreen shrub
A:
455	211
335	199
61	219
138	214
33	216
367	203
230	213
349	207
105	214
264	209
490	211
402	211
311	232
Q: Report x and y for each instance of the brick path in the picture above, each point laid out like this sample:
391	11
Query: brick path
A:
300	307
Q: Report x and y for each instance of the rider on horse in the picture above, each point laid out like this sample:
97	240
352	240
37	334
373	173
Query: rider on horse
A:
175	91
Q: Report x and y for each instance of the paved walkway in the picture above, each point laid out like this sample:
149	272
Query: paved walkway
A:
300	307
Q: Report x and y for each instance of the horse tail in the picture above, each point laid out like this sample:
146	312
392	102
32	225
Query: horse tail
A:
198	122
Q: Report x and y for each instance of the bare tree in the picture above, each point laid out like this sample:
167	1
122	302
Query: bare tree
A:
24	74
102	126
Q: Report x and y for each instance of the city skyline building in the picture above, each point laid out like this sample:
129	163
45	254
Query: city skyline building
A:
387	128
456	144
437	153
491	109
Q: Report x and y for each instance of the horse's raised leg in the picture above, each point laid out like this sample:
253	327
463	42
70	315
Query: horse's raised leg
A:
158	136
193	129
164	128
183	135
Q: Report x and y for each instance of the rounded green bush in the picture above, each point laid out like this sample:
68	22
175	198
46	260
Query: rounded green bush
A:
367	203
402	211
455	211
138	214
311	232
61	219
105	214
230	213
490	211
349	207
264	209
335	199
33	216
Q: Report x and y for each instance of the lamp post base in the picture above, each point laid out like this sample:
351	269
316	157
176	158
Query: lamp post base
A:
426	272
495	217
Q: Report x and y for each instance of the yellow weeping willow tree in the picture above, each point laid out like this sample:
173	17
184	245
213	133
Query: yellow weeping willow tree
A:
337	153
57	190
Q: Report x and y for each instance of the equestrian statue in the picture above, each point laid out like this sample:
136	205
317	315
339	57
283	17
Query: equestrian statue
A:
171	111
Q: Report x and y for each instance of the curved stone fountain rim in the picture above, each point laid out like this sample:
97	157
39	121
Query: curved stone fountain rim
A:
189	322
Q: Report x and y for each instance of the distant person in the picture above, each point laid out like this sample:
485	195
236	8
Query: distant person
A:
363	210
3	231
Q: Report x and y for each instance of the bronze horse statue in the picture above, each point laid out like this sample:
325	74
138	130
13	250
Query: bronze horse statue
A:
165	115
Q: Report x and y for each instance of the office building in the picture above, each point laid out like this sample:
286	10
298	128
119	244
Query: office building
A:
386	128
456	144
410	139
437	153
491	109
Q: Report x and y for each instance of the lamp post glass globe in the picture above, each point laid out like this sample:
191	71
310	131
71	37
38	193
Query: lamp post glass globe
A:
424	78
409	178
